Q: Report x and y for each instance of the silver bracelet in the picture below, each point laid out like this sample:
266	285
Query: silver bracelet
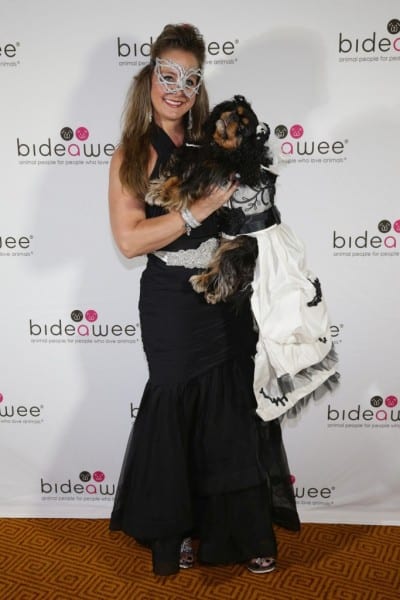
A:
190	221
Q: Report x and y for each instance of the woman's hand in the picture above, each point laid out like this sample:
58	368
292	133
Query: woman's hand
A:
217	197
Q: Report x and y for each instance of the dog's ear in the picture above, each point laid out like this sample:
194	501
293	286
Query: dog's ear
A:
263	132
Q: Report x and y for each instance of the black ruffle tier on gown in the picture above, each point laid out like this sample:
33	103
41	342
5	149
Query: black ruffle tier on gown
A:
199	461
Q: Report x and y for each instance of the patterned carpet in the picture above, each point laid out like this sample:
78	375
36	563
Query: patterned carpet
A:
71	559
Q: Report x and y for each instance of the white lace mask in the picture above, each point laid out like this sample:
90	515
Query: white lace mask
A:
174	78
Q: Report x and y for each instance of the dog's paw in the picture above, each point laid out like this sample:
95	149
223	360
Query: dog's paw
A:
168	194
155	194
211	298
150	198
207	283
197	283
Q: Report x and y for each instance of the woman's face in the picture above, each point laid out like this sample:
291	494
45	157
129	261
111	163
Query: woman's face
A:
174	83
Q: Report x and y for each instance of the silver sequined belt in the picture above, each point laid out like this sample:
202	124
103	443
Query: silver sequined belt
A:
197	258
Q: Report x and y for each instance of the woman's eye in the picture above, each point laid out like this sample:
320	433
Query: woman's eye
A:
190	82
168	78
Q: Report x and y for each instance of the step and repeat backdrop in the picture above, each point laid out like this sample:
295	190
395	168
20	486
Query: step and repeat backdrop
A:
326	77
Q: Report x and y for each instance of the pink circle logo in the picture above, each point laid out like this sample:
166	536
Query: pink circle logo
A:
91	315
391	401
99	476
82	133
396	226
292	479
296	131
1	397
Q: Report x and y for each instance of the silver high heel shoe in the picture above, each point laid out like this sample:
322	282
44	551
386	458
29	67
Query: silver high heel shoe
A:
261	565
186	560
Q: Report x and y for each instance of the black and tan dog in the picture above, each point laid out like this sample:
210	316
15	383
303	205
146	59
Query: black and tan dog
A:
259	257
233	146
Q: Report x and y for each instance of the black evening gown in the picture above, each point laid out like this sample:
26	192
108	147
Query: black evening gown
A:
199	460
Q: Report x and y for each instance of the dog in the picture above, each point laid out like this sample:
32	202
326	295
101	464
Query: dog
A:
233	147
259	258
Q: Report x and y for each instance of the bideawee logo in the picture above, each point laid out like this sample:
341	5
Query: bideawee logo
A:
9	54
367	243
82	328
313	496
15	413
74	149
294	147
133	53
381	413
374	46
89	487
16	245
133	411
337	333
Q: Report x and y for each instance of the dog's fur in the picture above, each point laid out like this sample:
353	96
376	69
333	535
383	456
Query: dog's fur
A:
233	146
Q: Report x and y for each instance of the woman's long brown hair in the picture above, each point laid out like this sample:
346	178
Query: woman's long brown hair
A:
135	138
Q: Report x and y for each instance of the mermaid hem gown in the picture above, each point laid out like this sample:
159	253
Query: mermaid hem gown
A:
199	460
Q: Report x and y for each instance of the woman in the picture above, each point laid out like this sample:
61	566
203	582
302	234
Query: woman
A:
199	462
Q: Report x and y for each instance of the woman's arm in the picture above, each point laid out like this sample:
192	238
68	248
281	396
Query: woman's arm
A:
134	234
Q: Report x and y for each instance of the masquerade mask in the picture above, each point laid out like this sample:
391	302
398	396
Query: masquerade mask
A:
174	78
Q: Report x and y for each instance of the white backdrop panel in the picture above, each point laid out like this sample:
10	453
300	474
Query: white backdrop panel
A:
325	76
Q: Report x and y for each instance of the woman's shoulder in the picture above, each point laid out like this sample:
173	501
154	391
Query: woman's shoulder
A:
117	157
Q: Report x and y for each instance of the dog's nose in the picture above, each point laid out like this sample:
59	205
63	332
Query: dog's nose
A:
233	118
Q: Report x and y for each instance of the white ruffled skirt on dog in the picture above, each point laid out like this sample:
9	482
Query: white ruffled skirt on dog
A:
295	354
